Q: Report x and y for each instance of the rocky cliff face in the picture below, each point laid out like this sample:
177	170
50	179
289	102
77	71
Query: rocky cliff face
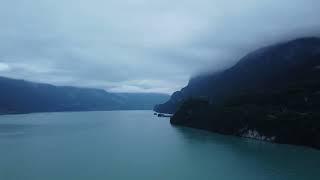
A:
271	94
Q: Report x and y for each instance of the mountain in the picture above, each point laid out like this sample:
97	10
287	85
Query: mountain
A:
19	96
271	94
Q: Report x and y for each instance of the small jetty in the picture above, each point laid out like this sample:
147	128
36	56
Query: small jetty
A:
163	115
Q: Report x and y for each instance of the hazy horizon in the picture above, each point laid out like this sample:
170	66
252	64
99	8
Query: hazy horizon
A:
141	46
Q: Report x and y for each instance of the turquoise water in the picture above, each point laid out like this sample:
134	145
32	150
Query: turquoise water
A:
123	145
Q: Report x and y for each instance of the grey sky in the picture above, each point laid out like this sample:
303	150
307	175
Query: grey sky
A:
141	45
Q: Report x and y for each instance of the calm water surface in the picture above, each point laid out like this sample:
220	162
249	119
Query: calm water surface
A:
123	145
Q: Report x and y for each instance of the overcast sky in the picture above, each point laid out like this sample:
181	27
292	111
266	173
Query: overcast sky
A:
141	45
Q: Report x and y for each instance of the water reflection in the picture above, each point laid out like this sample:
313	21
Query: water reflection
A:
261	157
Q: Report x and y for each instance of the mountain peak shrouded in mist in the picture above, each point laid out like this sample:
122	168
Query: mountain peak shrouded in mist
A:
271	94
267	68
141	46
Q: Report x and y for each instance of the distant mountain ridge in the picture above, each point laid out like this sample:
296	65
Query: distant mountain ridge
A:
20	96
271	94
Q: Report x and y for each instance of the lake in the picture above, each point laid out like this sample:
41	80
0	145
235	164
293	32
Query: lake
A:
127	145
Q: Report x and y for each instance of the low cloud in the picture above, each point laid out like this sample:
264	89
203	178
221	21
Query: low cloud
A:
4	67
140	45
